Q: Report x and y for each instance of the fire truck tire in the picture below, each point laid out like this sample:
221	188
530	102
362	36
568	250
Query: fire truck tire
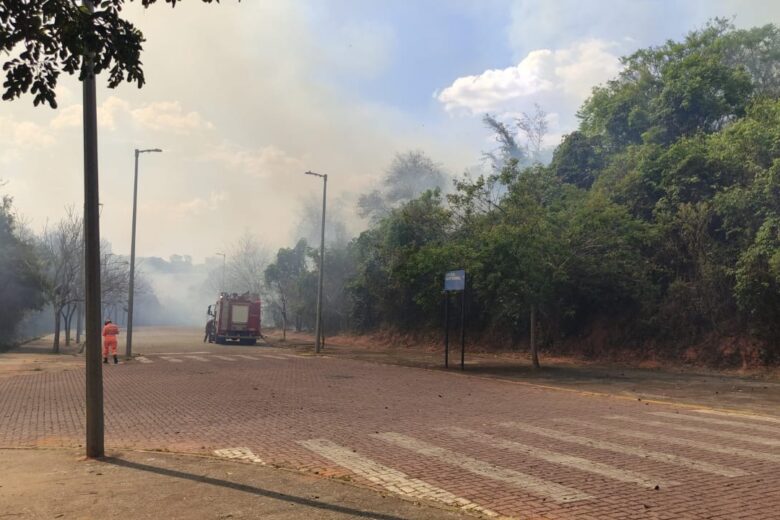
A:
249	342
220	340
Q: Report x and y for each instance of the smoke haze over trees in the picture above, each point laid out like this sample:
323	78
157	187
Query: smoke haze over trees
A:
657	221
21	283
654	226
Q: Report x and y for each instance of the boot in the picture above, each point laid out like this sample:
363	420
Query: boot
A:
105	360
115	359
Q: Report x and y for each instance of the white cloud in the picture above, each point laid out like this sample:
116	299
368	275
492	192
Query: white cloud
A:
169	116
24	134
108	113
564	75
111	110
68	117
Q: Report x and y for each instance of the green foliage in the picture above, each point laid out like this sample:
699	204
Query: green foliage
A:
657	219
757	287
683	88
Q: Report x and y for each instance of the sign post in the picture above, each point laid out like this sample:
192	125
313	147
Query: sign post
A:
454	281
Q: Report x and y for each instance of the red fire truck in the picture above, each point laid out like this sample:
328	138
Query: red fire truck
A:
234	318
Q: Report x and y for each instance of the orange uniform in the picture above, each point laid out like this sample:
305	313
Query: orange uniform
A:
110	332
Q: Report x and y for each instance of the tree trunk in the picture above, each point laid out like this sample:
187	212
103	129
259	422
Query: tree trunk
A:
68	318
534	348
56	345
78	324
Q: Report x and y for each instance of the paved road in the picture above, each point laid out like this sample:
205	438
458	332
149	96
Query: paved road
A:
491	447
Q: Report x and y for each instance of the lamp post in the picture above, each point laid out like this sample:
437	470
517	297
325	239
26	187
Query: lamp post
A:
318	326
222	283
129	347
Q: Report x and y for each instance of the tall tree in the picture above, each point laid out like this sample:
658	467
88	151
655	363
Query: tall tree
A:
409	174
21	283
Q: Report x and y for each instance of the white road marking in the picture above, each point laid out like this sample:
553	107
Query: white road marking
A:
225	358
579	463
246	357
722	422
637	451
198	358
706	446
387	477
726	435
531	483
271	356
764	418
173	353
239	453
142	359
171	359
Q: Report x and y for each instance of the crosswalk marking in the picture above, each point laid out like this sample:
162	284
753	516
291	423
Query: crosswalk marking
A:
723	422
246	357
387	477
225	358
764	418
727	450
716	433
198	358
272	356
535	485
171	359
239	453
580	463
707	467
142	359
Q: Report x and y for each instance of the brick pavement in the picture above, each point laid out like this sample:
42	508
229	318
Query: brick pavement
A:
490	447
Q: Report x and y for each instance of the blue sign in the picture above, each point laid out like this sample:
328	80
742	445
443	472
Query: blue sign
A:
455	280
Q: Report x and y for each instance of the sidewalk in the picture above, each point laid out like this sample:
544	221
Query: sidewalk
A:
755	393
159	485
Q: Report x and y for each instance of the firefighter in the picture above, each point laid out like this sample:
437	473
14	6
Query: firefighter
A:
110	332
209	330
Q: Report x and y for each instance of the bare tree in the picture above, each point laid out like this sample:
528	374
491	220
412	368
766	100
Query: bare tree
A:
408	175
508	147
246	264
62	248
61	251
534	127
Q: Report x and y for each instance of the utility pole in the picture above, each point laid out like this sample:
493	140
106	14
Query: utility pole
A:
131	290
94	369
222	283
318	327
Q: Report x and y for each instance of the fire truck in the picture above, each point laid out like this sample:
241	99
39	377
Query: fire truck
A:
234	318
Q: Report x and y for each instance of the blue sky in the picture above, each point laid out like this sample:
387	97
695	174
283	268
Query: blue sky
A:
244	97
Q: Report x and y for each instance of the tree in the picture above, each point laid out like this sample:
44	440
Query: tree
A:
681	88
53	35
508	147
408	175
284	276
246	264
534	127
21	283
61	249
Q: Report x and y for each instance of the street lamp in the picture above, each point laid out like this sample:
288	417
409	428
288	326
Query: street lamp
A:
129	348
222	283
318	327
